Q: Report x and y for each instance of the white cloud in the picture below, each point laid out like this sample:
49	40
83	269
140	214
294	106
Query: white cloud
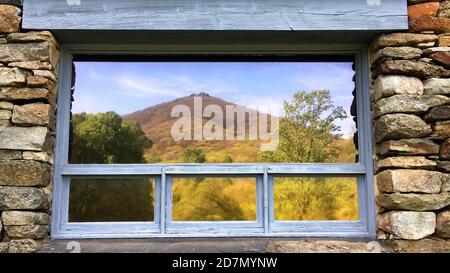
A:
148	87
172	86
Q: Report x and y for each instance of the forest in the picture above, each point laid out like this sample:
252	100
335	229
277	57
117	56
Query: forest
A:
308	134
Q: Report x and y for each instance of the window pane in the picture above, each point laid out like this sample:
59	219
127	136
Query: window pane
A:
316	198
111	199
277	109
214	199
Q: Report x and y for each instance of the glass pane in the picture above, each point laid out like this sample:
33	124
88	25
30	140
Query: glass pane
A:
316	198
214	199
111	199
277	109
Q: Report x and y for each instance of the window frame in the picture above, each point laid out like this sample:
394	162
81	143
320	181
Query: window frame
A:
365	227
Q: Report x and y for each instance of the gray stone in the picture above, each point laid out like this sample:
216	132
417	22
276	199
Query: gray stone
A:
442	129
406	162
23	218
31	36
413	146
439	113
444	13
417	69
38	156
403	52
33	114
24	173
425	45
402	39
26	138
23	198
443	224
5	114
409	225
43	51
32	65
27	232
437	86
45	74
23	246
4	247
215	245
426	60
446	185
427	245
26	93
398	126
12	76
10	155
322	246
413	201
432	50
388	85
414	181
4	105
5	123
444	166
408	104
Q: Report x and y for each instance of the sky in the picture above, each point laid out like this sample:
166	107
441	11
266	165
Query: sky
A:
127	87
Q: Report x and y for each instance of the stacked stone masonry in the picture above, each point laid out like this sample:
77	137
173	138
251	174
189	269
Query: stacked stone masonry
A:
411	110
28	76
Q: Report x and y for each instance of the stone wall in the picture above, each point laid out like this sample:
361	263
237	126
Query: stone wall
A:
28	65
411	111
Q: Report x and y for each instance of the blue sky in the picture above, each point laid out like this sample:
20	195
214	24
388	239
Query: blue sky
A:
130	86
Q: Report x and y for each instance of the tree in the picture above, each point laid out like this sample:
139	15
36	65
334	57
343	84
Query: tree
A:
104	138
308	130
193	155
308	134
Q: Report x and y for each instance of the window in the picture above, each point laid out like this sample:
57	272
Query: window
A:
213	144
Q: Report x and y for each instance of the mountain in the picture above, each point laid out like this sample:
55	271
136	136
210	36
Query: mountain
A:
156	122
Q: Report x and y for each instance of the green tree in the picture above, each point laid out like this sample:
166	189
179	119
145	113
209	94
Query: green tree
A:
105	138
308	130
308	134
193	155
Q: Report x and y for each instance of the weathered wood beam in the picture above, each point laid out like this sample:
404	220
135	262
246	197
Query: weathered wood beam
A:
283	15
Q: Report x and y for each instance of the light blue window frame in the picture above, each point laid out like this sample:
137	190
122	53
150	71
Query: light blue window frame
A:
264	226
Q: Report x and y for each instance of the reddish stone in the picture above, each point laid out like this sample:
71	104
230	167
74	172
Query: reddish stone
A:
9	19
442	58
429	23
423	9
444	153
